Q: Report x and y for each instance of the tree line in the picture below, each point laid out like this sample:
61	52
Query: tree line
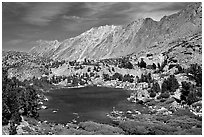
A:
17	99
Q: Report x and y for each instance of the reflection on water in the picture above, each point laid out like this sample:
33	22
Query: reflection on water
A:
82	104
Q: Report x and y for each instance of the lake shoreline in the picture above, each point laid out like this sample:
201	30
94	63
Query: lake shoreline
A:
92	88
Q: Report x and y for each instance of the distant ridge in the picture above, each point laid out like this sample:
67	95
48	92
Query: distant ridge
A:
116	41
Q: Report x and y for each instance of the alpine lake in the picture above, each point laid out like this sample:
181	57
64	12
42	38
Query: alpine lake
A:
84	104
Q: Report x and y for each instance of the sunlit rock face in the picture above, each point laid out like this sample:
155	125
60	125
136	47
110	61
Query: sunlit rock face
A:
116	41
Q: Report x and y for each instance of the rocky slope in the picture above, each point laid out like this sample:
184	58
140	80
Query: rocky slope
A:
23	65
115	41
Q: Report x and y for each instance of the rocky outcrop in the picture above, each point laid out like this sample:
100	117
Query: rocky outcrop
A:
115	41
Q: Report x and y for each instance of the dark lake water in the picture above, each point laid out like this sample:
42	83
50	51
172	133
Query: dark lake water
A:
82	104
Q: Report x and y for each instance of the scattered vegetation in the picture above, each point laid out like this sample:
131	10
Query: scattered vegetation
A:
146	78
100	129
195	72
119	62
20	98
192	93
155	87
170	84
17	99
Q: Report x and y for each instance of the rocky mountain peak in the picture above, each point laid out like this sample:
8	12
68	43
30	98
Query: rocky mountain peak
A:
111	41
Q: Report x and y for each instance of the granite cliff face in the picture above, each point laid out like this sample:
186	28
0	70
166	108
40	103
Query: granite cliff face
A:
116	41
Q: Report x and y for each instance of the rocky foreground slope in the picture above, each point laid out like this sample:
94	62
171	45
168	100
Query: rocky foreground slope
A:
116	41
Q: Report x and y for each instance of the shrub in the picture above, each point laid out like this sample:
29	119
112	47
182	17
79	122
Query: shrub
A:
75	81
128	65
100	129
152	94
146	78
192	98
146	128
161	129
180	69
72	131
125	63
92	74
184	112
113	69
185	88
133	128
106	77
165	95
185	122
193	131
117	76
89	69
128	78
152	103
163	118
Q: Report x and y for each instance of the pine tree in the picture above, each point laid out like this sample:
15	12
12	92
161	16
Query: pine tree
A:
173	83
185	88
142	63
154	66
196	72
156	87
192	97
170	84
89	69
158	65
113	69
164	86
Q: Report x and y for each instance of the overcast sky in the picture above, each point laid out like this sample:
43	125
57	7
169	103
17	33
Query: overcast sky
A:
23	23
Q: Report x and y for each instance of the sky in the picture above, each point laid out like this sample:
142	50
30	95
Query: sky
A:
26	22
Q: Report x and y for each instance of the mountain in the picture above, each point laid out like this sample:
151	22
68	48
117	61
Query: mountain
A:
116	41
